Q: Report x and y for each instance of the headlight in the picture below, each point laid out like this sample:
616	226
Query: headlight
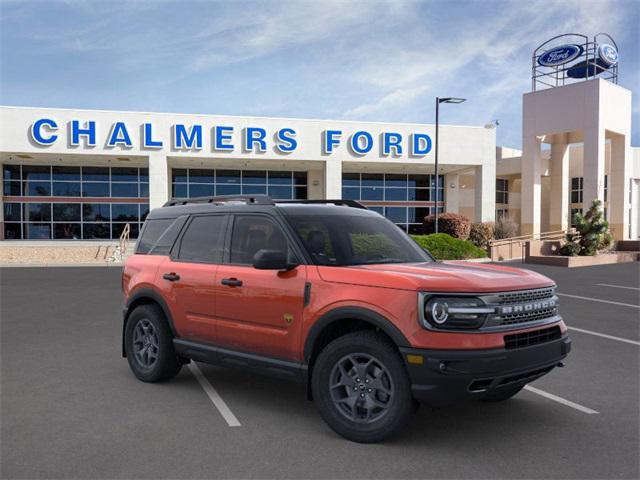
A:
455	312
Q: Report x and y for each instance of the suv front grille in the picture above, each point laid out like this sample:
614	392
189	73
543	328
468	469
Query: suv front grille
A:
521	307
525	296
528	317
535	337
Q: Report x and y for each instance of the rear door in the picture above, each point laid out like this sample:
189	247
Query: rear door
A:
189	275
259	311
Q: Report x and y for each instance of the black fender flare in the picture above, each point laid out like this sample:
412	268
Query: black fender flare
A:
352	313
148	294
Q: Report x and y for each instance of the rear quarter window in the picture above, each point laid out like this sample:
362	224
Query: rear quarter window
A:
151	232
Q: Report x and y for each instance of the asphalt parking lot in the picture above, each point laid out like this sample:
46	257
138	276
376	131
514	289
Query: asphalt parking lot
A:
72	409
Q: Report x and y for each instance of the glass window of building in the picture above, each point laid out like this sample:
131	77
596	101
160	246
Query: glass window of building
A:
502	190
76	203
576	190
198	182
405	191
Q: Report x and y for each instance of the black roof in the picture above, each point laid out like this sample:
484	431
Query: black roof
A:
258	203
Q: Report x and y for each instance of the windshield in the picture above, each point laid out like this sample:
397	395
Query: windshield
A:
342	240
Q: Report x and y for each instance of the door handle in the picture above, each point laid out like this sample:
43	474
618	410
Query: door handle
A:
172	277
231	282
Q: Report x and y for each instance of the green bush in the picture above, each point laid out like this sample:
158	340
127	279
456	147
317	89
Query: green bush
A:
454	224
445	247
481	234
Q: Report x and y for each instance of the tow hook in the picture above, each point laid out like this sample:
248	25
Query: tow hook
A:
560	364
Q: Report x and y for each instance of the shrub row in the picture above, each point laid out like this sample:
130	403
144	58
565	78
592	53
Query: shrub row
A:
480	234
445	247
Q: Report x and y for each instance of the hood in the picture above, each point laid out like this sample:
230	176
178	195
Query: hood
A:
463	277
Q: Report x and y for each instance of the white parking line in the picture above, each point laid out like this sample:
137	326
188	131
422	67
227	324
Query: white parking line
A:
603	335
561	400
616	286
217	400
599	300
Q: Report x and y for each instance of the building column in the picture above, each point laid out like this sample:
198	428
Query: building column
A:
314	184
559	194
618	190
158	180
332	179
593	164
451	194
485	192
531	186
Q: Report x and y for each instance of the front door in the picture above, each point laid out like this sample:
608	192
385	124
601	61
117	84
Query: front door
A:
259	311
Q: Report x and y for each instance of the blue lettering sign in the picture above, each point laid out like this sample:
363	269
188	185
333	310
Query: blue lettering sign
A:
186	139
420	144
119	136
286	140
147	138
89	131
391	140
255	136
222	137
359	147
36	131
331	139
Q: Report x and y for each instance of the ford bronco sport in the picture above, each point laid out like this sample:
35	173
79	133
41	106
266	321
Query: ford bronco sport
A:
338	297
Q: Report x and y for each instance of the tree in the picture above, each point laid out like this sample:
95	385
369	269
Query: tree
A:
591	235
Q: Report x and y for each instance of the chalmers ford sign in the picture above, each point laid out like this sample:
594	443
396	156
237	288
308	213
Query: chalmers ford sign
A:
221	138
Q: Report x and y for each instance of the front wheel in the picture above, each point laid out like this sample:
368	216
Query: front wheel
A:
361	387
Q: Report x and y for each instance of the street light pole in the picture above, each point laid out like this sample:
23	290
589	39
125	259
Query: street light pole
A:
438	102
436	162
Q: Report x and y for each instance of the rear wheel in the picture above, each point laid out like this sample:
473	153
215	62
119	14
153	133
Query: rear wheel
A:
361	387
149	345
502	394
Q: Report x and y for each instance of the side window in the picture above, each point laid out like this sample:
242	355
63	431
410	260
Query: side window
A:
152	231
167	239
317	239
203	239
252	233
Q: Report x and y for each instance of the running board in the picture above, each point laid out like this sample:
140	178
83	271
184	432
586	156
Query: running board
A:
207	353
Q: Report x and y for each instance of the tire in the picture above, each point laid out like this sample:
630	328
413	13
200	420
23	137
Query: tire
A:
369	409
502	394
149	345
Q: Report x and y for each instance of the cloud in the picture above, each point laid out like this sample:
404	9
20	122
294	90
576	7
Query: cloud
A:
492	47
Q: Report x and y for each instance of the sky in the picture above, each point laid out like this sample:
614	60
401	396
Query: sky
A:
344	60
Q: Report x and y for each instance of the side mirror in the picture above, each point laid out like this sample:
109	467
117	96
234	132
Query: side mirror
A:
271	260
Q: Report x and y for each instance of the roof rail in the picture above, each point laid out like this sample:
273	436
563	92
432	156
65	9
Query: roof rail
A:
346	203
248	199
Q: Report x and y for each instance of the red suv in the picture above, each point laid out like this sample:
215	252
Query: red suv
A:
338	297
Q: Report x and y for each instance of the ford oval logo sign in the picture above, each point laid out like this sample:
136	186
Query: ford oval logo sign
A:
560	55
608	54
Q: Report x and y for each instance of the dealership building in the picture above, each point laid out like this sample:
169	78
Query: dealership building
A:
85	174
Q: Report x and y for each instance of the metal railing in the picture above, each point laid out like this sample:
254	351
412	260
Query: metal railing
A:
123	244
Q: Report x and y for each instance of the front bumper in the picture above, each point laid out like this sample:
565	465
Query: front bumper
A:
451	376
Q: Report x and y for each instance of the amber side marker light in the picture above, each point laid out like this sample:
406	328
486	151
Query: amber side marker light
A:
415	359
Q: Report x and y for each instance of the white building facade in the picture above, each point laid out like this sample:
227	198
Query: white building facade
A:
84	174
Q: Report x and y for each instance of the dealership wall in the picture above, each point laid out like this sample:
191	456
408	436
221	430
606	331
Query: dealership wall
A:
162	146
